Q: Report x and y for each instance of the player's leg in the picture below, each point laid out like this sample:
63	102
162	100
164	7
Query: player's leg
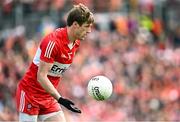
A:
28	110
23	117
55	116
50	110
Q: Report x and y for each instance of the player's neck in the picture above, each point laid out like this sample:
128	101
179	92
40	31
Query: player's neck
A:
70	34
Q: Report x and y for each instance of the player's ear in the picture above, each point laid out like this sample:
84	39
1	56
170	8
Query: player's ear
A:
75	24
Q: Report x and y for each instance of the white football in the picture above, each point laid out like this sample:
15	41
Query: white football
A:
100	88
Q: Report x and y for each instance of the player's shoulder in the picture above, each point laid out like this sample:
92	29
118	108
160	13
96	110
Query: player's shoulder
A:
61	36
53	36
57	36
48	39
60	32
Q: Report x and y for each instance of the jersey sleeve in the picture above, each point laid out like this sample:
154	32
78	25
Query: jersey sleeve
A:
48	50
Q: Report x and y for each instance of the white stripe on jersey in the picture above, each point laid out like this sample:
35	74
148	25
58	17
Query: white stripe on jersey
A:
49	49
22	101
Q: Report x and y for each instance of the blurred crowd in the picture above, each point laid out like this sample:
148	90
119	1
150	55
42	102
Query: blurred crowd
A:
132	46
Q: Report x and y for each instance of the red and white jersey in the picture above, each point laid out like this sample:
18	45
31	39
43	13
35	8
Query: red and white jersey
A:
54	48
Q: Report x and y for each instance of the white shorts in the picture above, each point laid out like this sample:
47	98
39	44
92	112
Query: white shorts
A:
23	117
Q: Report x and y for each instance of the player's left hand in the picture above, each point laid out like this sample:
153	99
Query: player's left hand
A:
68	104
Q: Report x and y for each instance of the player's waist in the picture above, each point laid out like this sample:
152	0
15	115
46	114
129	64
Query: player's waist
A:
30	84
34	90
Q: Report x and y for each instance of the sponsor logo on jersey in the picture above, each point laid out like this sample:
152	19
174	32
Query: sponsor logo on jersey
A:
58	69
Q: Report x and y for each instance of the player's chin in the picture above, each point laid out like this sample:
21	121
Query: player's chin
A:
82	38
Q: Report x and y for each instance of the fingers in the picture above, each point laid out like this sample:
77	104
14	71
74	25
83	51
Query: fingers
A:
75	109
70	102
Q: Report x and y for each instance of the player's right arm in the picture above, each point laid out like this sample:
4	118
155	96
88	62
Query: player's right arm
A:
42	78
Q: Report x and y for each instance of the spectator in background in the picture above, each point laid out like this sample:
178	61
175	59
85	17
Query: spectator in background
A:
176	39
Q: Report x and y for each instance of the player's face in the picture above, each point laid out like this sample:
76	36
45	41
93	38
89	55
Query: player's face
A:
83	30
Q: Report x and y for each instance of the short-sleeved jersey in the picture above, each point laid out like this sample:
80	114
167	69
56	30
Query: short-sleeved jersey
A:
54	48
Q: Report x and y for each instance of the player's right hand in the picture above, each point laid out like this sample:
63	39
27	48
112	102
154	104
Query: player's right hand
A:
68	104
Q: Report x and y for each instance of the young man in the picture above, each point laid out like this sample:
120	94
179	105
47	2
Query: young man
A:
37	96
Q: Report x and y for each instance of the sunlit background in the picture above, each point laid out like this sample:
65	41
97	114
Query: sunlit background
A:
135	43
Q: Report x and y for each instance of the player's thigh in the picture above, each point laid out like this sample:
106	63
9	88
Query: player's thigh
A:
23	117
25	102
55	116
